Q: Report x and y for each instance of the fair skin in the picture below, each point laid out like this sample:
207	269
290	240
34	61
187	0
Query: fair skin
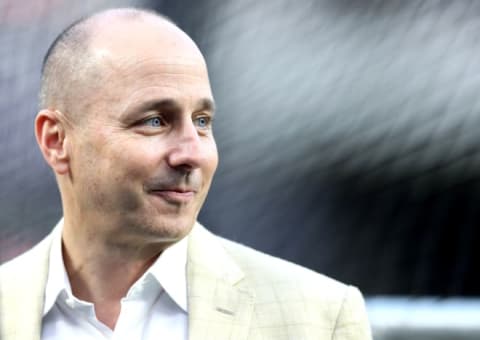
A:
134	165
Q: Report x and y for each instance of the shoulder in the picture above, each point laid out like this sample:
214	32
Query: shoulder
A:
23	265
310	297
263	267
22	283
260	268
34	260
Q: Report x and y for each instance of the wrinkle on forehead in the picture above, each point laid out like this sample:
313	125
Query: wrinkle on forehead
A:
133	73
167	64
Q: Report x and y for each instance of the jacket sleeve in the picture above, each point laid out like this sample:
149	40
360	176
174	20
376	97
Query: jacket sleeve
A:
352	321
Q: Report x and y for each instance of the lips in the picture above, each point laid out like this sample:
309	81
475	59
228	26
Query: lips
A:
174	195
174	188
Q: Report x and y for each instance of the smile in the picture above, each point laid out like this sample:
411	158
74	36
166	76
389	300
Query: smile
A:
174	196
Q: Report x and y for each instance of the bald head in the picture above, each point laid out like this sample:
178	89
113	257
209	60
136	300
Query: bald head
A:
80	58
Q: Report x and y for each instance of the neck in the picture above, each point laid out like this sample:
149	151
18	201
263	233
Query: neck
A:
101	272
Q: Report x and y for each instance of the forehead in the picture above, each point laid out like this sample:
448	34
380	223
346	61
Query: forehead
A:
149	59
152	80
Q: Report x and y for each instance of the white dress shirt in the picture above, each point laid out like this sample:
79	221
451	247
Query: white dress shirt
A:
155	307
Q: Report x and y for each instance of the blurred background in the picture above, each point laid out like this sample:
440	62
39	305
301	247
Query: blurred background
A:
347	133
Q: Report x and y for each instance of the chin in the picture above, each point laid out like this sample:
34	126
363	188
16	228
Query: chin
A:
170	230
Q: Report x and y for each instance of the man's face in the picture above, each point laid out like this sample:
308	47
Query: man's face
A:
143	156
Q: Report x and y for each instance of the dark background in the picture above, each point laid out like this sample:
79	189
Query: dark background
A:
347	132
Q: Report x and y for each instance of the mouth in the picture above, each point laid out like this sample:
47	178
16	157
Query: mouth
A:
174	195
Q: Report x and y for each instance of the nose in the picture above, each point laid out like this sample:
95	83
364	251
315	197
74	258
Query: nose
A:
186	152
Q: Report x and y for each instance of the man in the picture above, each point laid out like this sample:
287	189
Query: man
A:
126	125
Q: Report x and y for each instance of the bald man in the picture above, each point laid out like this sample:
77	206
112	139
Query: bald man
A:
126	126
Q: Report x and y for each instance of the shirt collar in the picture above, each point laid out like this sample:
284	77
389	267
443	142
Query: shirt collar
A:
169	270
57	280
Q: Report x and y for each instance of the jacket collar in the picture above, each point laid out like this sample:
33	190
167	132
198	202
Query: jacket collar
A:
220	302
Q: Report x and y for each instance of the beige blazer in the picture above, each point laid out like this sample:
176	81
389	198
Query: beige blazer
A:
234	292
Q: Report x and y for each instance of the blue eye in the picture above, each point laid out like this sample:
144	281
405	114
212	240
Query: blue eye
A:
153	122
203	122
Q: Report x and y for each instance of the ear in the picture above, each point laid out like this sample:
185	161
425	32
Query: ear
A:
50	134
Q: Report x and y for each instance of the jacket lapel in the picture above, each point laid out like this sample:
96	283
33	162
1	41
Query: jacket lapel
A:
220	304
22	293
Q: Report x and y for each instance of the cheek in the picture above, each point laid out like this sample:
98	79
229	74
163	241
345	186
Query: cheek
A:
120	185
130	156
120	175
128	168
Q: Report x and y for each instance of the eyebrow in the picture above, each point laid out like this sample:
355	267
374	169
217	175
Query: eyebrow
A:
207	104
204	104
